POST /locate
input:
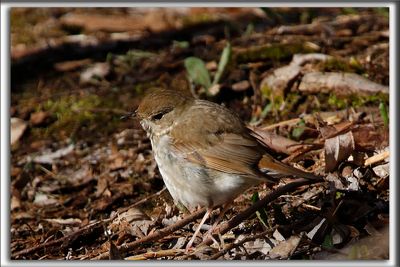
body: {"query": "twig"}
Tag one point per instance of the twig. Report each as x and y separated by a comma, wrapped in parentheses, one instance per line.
(61, 242)
(324, 115)
(318, 144)
(143, 200)
(310, 207)
(282, 123)
(156, 254)
(222, 229)
(238, 244)
(304, 150)
(376, 158)
(156, 235)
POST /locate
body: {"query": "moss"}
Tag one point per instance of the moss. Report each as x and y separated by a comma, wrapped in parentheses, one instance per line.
(22, 21)
(298, 130)
(355, 100)
(276, 98)
(384, 11)
(294, 104)
(271, 52)
(340, 65)
(75, 113)
(278, 104)
(198, 19)
(337, 102)
(349, 10)
(127, 62)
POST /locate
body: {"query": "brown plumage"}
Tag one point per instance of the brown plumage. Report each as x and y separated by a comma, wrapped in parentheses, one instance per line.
(205, 153)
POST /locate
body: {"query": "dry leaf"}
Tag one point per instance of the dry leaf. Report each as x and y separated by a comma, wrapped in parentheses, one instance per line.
(114, 253)
(241, 86)
(50, 157)
(15, 203)
(285, 248)
(18, 128)
(333, 177)
(338, 149)
(44, 199)
(72, 65)
(38, 118)
(133, 217)
(276, 142)
(92, 74)
(382, 170)
(258, 245)
(315, 229)
(278, 236)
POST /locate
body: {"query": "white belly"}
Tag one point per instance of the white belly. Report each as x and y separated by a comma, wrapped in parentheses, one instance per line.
(193, 185)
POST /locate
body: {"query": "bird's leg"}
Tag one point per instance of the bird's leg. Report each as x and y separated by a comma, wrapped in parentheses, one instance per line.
(225, 207)
(189, 245)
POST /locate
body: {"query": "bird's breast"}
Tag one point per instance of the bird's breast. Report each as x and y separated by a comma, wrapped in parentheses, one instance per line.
(192, 184)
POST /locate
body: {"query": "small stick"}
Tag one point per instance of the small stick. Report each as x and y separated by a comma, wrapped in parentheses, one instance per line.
(238, 244)
(61, 242)
(376, 158)
(156, 235)
(156, 254)
(67, 239)
(221, 229)
(143, 200)
(281, 123)
(310, 207)
(235, 221)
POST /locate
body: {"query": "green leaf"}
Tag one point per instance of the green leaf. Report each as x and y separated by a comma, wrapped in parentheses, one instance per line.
(180, 44)
(223, 62)
(328, 241)
(298, 130)
(339, 195)
(249, 30)
(266, 109)
(261, 214)
(197, 71)
(384, 113)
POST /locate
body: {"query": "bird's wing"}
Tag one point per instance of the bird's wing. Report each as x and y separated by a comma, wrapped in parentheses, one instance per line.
(212, 136)
(231, 154)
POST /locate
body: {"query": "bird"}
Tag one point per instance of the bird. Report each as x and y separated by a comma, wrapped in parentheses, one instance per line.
(205, 153)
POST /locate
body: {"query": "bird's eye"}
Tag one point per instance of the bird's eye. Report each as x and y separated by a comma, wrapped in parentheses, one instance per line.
(157, 117)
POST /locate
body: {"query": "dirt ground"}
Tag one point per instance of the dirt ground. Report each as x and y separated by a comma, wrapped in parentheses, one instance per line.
(313, 82)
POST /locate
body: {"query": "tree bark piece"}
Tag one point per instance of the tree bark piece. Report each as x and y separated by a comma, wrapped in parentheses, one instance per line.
(341, 84)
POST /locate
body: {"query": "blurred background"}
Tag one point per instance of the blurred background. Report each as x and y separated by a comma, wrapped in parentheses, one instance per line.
(75, 72)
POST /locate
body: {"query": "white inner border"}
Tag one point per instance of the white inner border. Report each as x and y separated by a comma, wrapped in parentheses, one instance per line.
(5, 124)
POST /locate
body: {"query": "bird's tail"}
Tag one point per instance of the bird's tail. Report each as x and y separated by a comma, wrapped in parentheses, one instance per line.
(276, 167)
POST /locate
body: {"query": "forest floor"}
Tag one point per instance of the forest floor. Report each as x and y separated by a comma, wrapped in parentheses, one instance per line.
(313, 82)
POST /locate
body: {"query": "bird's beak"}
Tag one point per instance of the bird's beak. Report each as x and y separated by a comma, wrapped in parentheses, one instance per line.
(132, 115)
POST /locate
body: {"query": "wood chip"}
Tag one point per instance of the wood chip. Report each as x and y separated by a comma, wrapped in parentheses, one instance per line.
(377, 158)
